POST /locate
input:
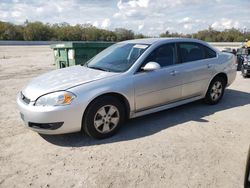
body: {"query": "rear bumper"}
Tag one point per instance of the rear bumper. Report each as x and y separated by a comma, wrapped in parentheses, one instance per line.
(231, 75)
(51, 120)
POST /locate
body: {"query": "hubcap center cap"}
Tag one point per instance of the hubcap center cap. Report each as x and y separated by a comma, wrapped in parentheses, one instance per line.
(106, 119)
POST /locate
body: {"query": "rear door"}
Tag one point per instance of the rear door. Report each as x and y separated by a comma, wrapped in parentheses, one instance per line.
(197, 68)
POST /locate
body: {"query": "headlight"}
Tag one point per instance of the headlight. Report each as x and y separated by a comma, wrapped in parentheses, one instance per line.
(56, 99)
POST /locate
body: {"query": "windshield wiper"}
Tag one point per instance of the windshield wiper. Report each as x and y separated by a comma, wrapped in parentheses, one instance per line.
(84, 64)
(99, 68)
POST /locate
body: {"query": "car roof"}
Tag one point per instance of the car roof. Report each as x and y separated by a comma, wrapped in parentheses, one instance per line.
(156, 40)
(151, 41)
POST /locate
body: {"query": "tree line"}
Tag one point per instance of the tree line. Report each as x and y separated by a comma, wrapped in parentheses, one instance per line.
(212, 35)
(38, 31)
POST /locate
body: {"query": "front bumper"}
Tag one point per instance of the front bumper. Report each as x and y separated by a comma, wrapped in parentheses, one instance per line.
(51, 120)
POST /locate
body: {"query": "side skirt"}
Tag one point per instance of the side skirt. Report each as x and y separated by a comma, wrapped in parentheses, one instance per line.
(165, 107)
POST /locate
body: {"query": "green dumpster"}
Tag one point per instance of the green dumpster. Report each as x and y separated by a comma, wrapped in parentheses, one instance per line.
(75, 53)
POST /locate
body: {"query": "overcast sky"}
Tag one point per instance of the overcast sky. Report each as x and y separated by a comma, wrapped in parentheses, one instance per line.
(149, 17)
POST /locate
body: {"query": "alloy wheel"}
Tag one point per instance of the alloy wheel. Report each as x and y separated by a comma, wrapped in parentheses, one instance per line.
(216, 91)
(106, 119)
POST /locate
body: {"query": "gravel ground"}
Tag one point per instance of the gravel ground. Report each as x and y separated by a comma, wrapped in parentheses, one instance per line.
(194, 145)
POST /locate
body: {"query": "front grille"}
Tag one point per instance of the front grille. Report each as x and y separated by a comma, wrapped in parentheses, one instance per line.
(25, 99)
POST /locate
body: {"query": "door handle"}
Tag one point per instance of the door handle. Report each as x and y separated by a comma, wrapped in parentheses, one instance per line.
(209, 65)
(174, 72)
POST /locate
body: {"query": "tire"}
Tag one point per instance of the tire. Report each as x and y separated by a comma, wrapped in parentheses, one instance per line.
(215, 90)
(103, 117)
(247, 173)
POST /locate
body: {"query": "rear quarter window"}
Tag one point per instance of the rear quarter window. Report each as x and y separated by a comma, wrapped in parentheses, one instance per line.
(209, 52)
(191, 51)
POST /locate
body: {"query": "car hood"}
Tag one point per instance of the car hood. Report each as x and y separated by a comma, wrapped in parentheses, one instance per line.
(62, 79)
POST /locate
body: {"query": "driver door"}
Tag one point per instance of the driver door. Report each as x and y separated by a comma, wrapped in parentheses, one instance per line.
(161, 86)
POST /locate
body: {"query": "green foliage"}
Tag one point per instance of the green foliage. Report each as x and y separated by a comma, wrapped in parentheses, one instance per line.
(10, 32)
(211, 35)
(31, 31)
(39, 31)
(124, 34)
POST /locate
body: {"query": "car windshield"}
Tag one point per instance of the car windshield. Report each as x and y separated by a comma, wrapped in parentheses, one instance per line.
(117, 58)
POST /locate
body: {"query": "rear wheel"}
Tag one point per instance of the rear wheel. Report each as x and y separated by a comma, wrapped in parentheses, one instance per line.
(103, 117)
(215, 91)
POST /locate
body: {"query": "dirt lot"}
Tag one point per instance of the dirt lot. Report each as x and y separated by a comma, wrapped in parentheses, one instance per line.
(194, 145)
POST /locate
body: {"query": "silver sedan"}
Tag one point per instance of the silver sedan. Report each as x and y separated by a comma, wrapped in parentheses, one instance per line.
(127, 80)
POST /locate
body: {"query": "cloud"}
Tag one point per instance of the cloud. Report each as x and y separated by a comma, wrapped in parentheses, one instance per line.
(132, 4)
(16, 14)
(140, 27)
(95, 23)
(225, 23)
(188, 26)
(172, 14)
(105, 23)
(133, 9)
(150, 17)
(71, 11)
(185, 20)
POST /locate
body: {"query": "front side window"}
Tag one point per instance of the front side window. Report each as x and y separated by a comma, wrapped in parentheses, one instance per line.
(163, 55)
(117, 58)
(191, 52)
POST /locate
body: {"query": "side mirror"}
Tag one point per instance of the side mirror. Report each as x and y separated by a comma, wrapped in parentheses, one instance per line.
(151, 66)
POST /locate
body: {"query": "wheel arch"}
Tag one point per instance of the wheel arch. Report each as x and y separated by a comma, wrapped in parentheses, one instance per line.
(118, 96)
(222, 75)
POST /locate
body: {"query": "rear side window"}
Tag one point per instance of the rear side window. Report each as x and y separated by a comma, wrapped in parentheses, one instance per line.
(209, 52)
(191, 52)
(164, 55)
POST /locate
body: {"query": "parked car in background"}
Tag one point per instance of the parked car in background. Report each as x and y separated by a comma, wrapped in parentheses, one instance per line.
(238, 54)
(240, 58)
(229, 50)
(127, 80)
(245, 67)
(247, 172)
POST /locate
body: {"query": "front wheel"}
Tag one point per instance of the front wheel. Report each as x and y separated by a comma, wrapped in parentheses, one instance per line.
(103, 117)
(215, 91)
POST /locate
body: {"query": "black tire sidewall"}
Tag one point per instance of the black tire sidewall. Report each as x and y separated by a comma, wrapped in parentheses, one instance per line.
(88, 118)
(247, 172)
